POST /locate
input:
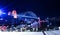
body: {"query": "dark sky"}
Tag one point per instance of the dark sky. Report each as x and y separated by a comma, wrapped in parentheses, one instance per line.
(42, 8)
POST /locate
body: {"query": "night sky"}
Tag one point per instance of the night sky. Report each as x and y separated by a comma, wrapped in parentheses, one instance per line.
(43, 8)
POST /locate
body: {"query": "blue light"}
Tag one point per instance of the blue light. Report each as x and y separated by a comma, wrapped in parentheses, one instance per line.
(1, 12)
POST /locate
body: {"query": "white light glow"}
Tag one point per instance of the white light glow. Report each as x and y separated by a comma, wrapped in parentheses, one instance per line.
(21, 33)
